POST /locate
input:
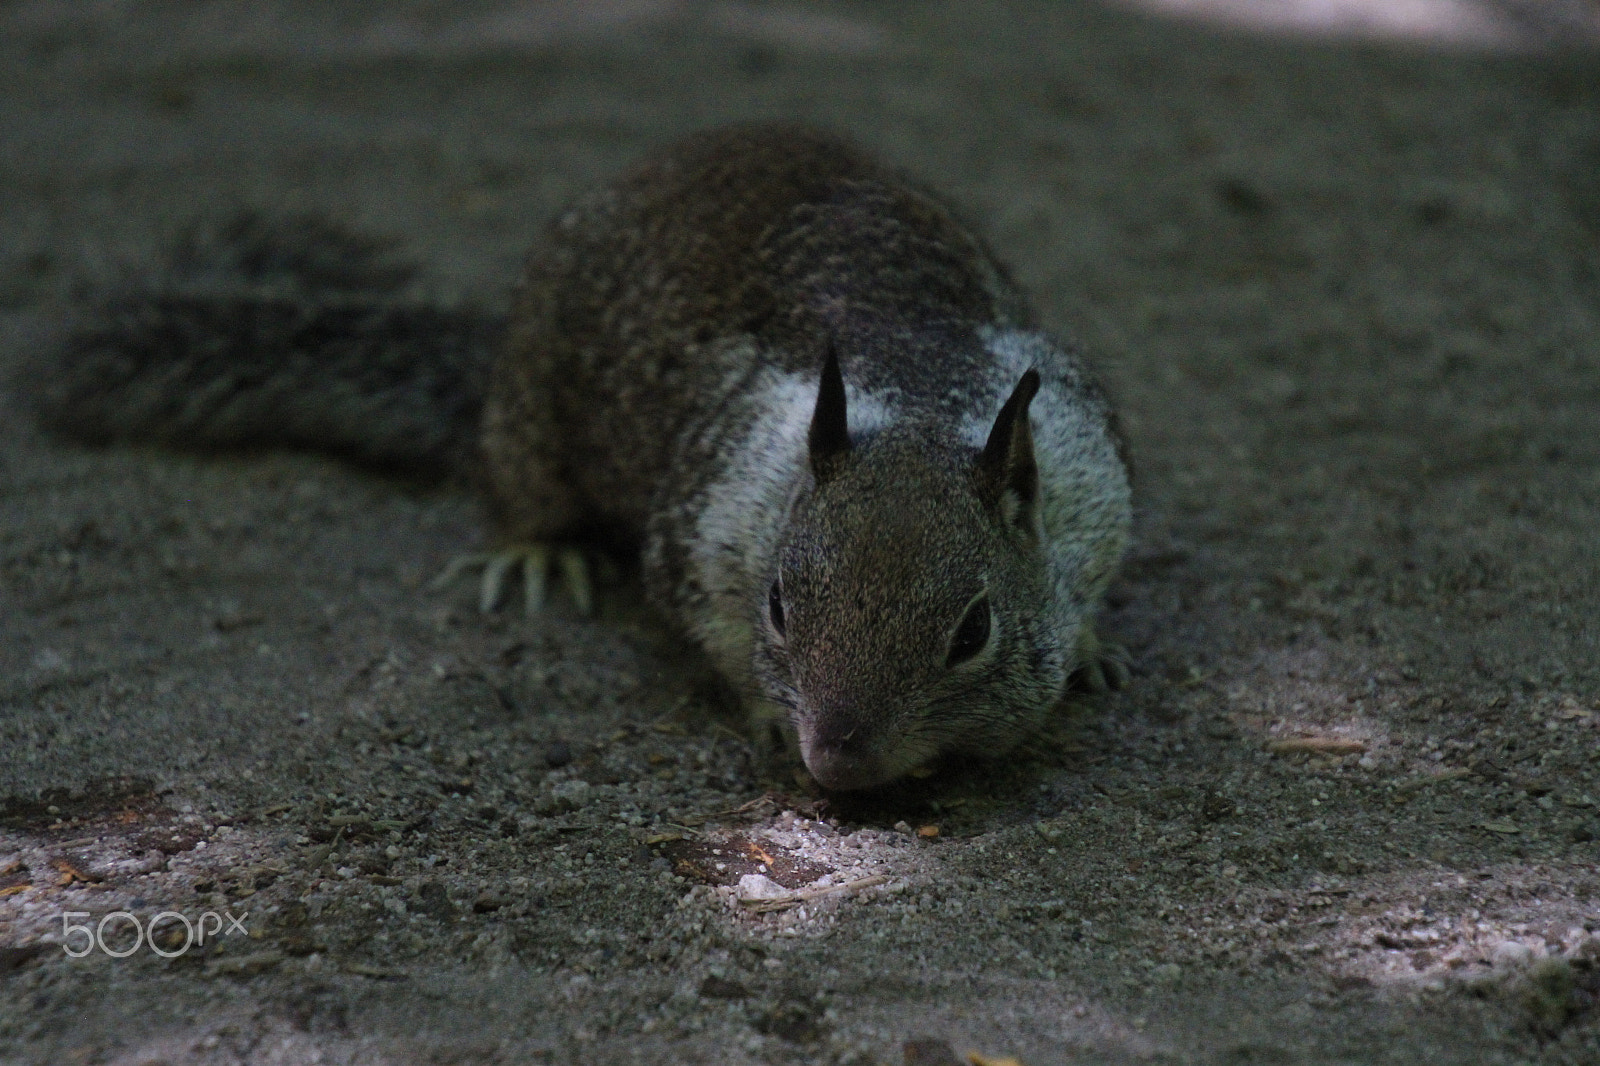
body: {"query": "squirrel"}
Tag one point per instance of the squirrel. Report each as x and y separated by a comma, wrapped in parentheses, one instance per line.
(857, 473)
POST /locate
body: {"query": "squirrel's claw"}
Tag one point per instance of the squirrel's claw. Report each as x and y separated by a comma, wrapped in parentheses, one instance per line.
(497, 567)
(530, 562)
(575, 572)
(1103, 666)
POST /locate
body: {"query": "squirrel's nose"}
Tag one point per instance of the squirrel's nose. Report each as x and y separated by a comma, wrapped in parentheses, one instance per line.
(842, 752)
(843, 733)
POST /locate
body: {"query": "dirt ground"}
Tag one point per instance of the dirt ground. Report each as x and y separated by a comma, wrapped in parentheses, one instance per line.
(1347, 297)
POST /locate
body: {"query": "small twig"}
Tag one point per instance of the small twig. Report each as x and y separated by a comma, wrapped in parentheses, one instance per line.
(806, 895)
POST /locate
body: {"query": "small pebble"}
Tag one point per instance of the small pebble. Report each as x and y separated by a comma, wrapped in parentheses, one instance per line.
(572, 794)
(759, 886)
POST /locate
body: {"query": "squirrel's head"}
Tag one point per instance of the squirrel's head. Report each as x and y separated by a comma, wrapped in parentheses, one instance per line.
(909, 614)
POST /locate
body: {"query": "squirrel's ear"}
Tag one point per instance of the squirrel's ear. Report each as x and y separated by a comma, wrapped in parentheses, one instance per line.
(1008, 477)
(829, 438)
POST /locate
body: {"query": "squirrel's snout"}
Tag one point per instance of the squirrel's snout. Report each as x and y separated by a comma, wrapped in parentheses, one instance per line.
(843, 751)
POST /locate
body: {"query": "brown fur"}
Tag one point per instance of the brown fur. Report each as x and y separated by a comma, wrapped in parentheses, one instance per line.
(858, 475)
(637, 386)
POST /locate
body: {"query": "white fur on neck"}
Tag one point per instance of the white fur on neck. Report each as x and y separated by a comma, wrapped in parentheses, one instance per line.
(747, 504)
(1083, 490)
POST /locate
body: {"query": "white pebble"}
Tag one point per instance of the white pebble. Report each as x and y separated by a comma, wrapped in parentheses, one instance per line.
(759, 886)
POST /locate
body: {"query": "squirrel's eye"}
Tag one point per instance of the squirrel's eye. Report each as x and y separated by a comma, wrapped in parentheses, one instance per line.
(775, 607)
(971, 635)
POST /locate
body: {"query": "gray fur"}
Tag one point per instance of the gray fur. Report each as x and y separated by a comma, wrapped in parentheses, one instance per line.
(657, 387)
(288, 332)
(660, 383)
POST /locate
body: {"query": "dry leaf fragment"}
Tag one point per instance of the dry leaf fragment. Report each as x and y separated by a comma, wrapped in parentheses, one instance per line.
(978, 1059)
(71, 872)
(662, 838)
(246, 965)
(1571, 712)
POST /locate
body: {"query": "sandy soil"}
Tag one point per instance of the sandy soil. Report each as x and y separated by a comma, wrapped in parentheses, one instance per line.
(1348, 298)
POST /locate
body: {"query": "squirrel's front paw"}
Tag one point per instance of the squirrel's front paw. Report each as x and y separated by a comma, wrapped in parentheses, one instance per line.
(1101, 666)
(532, 563)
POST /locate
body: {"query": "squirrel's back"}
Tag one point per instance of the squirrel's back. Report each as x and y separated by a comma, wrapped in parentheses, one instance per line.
(652, 302)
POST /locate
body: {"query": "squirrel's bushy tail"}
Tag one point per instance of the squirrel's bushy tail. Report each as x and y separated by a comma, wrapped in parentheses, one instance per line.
(289, 332)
